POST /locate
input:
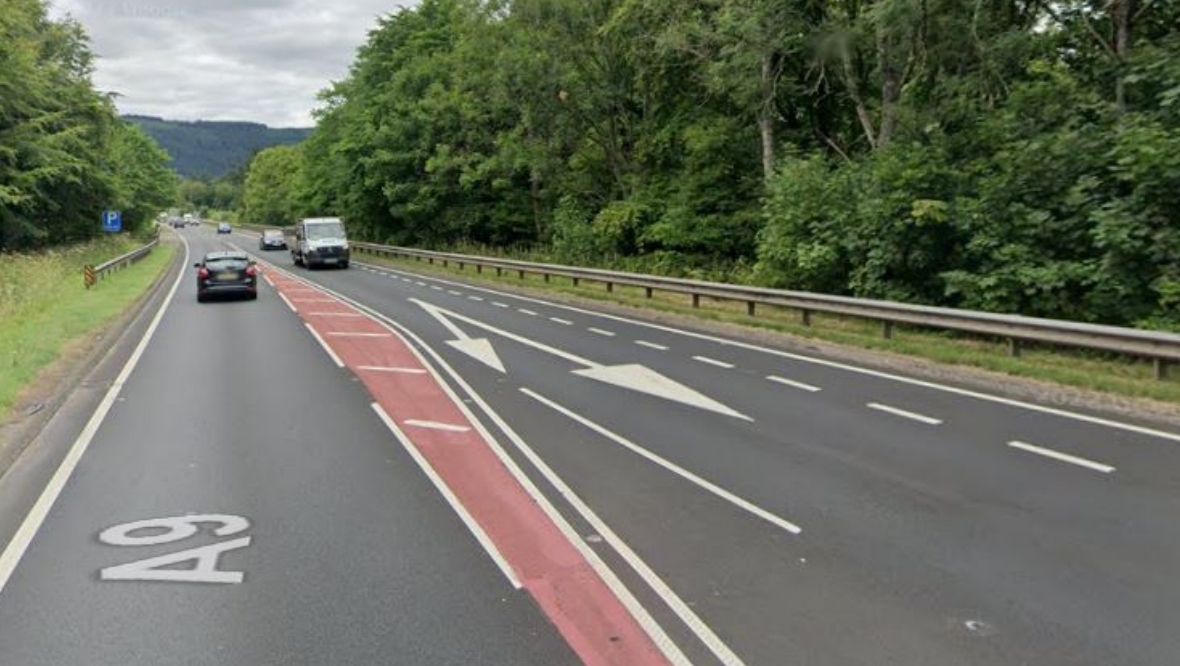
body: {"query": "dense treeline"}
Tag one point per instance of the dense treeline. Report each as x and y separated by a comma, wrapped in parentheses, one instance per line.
(1011, 155)
(65, 156)
(206, 150)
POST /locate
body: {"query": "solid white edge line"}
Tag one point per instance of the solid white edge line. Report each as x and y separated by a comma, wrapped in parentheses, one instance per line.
(1063, 457)
(436, 425)
(332, 354)
(24, 535)
(335, 314)
(603, 332)
(913, 416)
(288, 302)
(966, 393)
(661, 639)
(792, 383)
(651, 345)
(670, 466)
(712, 361)
(445, 490)
(382, 368)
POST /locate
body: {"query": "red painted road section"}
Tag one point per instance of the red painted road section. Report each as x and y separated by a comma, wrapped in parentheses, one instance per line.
(589, 616)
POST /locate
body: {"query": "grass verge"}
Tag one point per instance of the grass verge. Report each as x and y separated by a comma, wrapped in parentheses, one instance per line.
(1105, 373)
(44, 306)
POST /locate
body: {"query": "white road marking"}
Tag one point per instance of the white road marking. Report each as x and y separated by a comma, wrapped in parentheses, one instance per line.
(641, 615)
(651, 345)
(527, 312)
(435, 425)
(449, 496)
(792, 383)
(967, 393)
(712, 361)
(288, 302)
(563, 322)
(904, 414)
(478, 348)
(335, 314)
(205, 570)
(475, 298)
(499, 304)
(331, 354)
(382, 368)
(436, 287)
(709, 486)
(15, 550)
(1063, 457)
(454, 293)
(355, 334)
(602, 332)
(645, 380)
(314, 300)
(420, 284)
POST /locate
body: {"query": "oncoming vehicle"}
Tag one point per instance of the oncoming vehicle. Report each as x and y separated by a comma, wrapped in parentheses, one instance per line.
(226, 273)
(224, 228)
(320, 241)
(272, 239)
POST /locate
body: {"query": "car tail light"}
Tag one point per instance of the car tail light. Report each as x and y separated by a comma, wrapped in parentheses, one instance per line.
(251, 271)
(203, 273)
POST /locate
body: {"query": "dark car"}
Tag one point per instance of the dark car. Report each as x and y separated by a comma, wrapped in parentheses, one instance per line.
(226, 273)
(224, 228)
(272, 239)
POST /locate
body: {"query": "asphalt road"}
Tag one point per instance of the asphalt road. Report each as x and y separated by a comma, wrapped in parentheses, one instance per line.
(745, 505)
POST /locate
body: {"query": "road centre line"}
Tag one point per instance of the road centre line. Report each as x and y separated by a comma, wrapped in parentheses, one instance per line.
(649, 624)
(383, 368)
(435, 425)
(962, 392)
(667, 464)
(651, 345)
(332, 354)
(11, 556)
(1063, 457)
(792, 383)
(563, 322)
(712, 361)
(449, 496)
(602, 332)
(928, 420)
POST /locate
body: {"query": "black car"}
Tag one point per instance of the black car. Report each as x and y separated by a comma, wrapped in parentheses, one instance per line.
(272, 239)
(226, 273)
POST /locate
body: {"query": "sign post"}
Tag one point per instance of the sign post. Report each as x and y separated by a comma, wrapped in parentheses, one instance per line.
(112, 221)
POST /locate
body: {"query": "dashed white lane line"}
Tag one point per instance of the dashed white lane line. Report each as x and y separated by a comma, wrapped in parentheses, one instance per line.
(526, 312)
(356, 334)
(603, 332)
(499, 304)
(331, 354)
(436, 287)
(559, 320)
(400, 371)
(454, 293)
(1063, 457)
(712, 361)
(420, 284)
(651, 345)
(792, 383)
(921, 418)
(475, 298)
(435, 425)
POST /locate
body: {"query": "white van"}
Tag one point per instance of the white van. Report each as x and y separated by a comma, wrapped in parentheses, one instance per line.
(320, 241)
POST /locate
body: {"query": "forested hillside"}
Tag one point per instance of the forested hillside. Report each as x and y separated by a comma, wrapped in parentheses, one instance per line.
(210, 149)
(65, 155)
(1011, 155)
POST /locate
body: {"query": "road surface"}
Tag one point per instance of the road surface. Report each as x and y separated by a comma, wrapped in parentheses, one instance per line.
(375, 467)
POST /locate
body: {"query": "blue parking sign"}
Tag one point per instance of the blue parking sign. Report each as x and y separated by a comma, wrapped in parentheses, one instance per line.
(112, 221)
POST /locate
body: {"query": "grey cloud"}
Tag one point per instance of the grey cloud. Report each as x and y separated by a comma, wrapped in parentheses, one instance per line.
(259, 60)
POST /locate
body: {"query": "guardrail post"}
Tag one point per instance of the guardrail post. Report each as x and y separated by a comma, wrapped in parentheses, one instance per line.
(806, 316)
(887, 330)
(696, 300)
(749, 308)
(1161, 369)
(1014, 347)
(546, 276)
(445, 264)
(575, 281)
(647, 292)
(610, 287)
(460, 265)
(521, 274)
(479, 269)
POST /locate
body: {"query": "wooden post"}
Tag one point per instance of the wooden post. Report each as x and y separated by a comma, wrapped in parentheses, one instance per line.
(610, 287)
(647, 292)
(696, 300)
(521, 274)
(887, 330)
(806, 317)
(575, 281)
(1161, 369)
(1014, 347)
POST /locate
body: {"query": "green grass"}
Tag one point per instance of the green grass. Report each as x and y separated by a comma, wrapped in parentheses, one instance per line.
(44, 306)
(1088, 370)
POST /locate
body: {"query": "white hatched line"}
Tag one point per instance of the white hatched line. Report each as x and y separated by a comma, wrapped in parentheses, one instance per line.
(928, 420)
(712, 361)
(650, 345)
(1063, 457)
(332, 354)
(792, 383)
(400, 371)
(356, 334)
(314, 300)
(603, 332)
(475, 298)
(558, 320)
(499, 304)
(527, 312)
(435, 425)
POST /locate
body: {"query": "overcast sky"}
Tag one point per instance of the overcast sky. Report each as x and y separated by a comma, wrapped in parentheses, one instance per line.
(256, 60)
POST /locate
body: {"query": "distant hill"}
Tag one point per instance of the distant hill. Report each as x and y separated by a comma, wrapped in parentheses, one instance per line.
(209, 149)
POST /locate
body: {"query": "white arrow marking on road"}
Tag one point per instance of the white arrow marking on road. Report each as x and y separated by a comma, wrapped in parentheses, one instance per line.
(631, 376)
(479, 349)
